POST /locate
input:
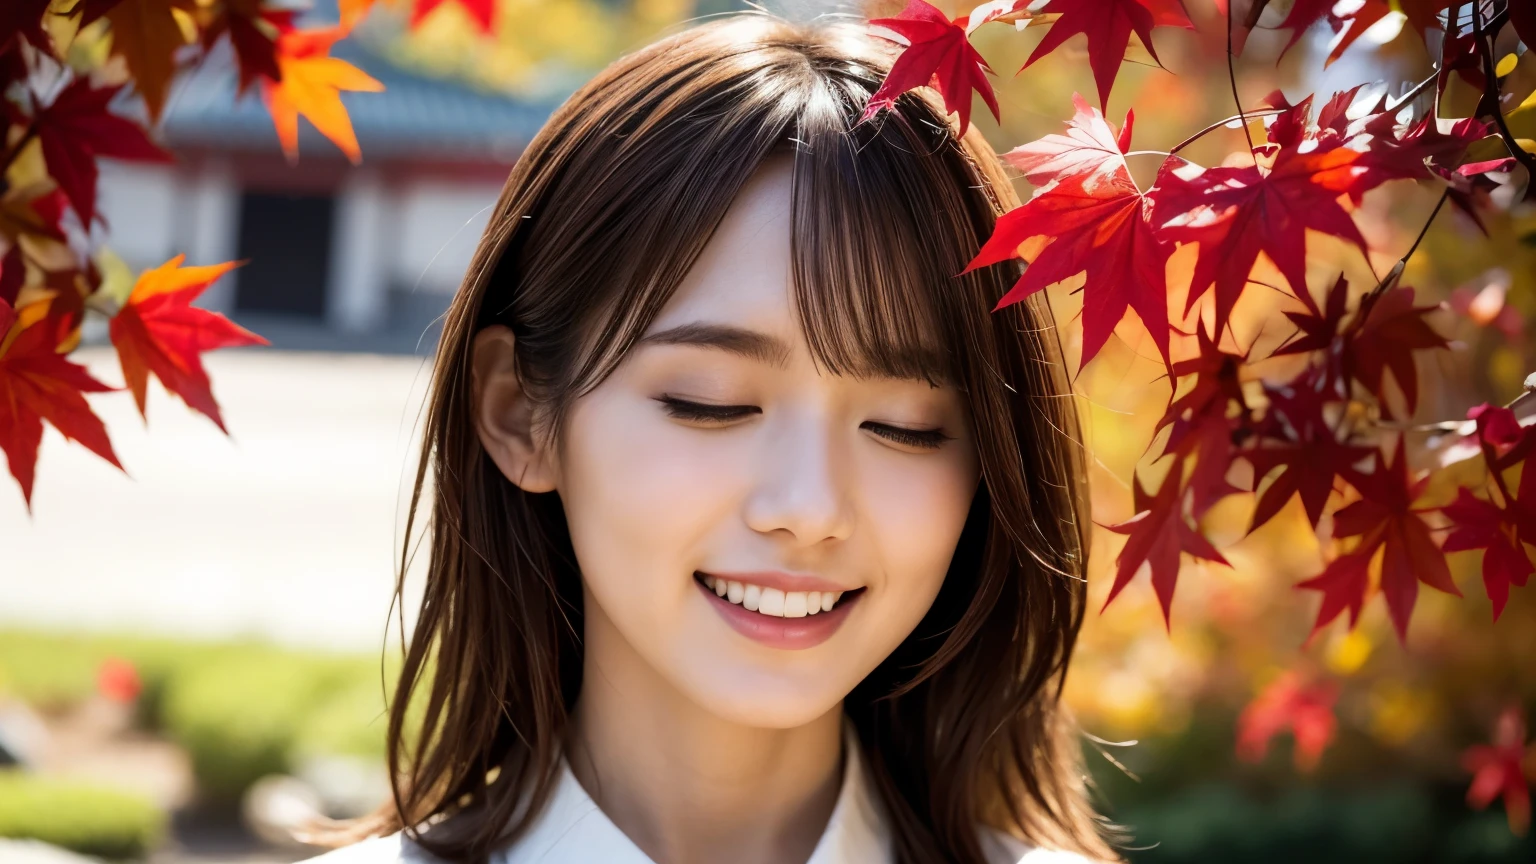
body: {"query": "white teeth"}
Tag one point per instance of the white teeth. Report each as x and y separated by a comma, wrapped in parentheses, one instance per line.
(773, 601)
(795, 604)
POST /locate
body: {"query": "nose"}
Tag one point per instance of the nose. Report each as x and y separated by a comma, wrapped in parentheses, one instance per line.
(802, 488)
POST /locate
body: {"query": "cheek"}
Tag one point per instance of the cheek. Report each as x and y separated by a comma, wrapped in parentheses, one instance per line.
(916, 509)
(637, 497)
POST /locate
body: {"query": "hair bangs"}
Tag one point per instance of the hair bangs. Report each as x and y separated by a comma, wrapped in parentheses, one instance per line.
(874, 253)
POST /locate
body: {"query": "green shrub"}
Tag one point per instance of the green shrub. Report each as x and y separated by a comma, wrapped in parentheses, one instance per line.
(54, 671)
(240, 709)
(241, 716)
(91, 820)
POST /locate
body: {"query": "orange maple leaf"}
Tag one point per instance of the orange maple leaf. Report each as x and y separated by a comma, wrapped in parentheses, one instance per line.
(482, 12)
(36, 384)
(311, 84)
(146, 35)
(158, 331)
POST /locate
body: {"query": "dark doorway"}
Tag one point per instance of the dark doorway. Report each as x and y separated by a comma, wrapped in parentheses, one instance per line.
(286, 240)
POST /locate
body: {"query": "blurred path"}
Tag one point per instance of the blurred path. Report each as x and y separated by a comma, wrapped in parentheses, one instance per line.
(289, 529)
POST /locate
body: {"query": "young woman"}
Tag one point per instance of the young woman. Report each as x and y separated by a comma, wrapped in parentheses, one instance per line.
(756, 535)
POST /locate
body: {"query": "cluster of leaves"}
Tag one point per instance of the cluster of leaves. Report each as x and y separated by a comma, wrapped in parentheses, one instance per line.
(1322, 417)
(61, 114)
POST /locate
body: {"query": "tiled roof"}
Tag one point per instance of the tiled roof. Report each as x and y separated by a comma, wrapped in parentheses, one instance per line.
(415, 115)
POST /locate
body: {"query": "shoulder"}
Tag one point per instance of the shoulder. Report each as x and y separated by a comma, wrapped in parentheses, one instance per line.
(1001, 848)
(389, 849)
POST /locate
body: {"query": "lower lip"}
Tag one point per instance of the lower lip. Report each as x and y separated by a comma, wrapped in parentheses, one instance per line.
(789, 633)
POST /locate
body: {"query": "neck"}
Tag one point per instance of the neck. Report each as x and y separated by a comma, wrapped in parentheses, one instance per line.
(686, 785)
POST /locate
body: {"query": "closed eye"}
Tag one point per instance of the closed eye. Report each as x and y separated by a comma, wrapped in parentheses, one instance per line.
(701, 412)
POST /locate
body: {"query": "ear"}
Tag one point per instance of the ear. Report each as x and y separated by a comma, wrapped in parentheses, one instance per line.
(505, 415)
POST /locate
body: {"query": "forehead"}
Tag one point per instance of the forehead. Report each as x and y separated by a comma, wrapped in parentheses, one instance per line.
(744, 274)
(851, 318)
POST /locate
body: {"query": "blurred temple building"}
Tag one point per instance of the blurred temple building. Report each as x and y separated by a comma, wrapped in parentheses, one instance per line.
(340, 256)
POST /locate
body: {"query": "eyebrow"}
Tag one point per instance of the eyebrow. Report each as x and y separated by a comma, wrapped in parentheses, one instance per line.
(770, 349)
(750, 344)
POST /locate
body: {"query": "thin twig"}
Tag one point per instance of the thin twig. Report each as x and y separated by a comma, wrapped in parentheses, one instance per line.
(1232, 79)
(1411, 94)
(1402, 263)
(15, 152)
(1266, 112)
(1491, 90)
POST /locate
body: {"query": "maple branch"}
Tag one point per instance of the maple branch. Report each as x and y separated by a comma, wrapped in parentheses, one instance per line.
(1484, 37)
(1402, 263)
(1232, 79)
(15, 152)
(1491, 459)
(1412, 94)
(1219, 124)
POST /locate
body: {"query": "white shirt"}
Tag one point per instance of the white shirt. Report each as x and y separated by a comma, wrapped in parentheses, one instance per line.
(572, 830)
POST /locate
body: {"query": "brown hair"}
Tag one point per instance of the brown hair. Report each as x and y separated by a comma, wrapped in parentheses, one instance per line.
(601, 218)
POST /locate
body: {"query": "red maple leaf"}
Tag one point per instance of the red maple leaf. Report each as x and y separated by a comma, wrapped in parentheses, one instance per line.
(1418, 151)
(253, 32)
(1305, 13)
(1289, 702)
(1108, 25)
(13, 274)
(1157, 536)
(22, 20)
(1501, 435)
(1498, 770)
(1237, 213)
(1424, 15)
(1093, 219)
(36, 384)
(1202, 426)
(1481, 524)
(1090, 147)
(77, 129)
(1303, 446)
(938, 54)
(1383, 519)
(1354, 24)
(1391, 329)
(1500, 530)
(158, 331)
(482, 12)
(1318, 331)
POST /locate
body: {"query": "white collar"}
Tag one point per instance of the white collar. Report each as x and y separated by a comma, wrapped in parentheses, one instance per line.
(572, 830)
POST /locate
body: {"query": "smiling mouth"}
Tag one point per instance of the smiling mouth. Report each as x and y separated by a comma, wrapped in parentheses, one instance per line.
(772, 602)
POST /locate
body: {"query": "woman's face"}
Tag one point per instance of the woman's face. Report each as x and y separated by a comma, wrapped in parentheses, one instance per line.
(717, 453)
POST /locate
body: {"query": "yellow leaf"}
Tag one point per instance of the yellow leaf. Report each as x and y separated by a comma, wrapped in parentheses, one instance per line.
(146, 34)
(311, 86)
(171, 277)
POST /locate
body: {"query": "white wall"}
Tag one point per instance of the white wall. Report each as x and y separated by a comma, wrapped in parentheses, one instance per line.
(139, 203)
(423, 231)
(438, 225)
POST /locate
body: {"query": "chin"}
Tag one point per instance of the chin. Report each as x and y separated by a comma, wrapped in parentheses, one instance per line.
(763, 698)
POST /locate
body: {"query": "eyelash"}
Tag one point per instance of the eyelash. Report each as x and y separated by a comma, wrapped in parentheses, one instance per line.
(683, 409)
